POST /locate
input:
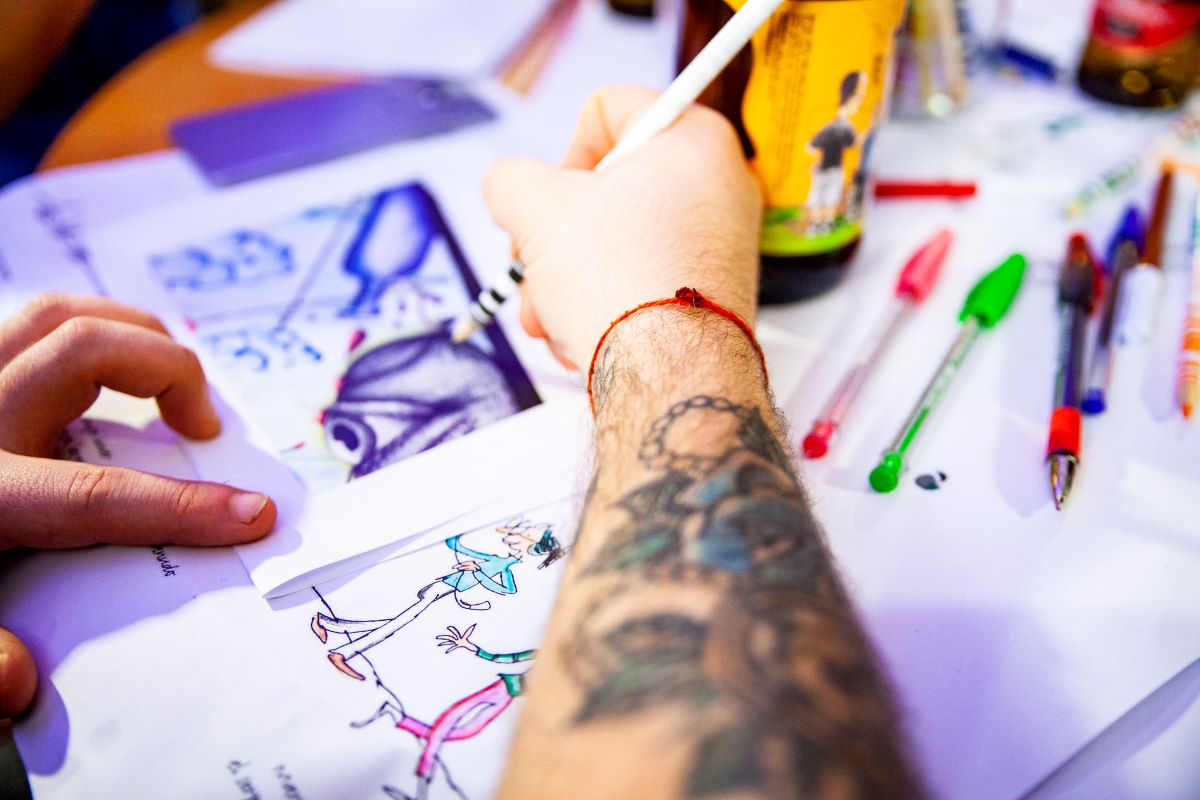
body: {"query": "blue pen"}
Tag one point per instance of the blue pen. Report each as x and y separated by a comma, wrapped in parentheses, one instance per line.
(1124, 251)
(1028, 63)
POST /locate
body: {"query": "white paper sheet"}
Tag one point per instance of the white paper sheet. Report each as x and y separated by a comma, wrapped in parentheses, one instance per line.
(45, 220)
(188, 685)
(449, 38)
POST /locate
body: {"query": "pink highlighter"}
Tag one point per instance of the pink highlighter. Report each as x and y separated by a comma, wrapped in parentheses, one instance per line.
(914, 284)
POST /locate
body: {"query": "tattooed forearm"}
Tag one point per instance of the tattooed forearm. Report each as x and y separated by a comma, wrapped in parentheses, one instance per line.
(709, 633)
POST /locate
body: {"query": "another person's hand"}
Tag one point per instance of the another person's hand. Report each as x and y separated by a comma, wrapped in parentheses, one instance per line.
(55, 356)
(681, 210)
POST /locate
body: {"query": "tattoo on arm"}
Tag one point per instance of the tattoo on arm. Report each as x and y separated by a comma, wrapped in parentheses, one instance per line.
(764, 666)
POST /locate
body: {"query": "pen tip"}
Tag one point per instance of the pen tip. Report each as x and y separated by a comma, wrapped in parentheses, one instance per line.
(1187, 410)
(464, 329)
(1062, 475)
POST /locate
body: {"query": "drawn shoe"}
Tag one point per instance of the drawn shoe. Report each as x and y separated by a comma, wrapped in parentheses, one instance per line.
(318, 629)
(338, 660)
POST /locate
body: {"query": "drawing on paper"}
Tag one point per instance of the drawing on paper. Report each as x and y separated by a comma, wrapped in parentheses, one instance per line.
(474, 572)
(332, 326)
(465, 718)
(410, 395)
(458, 706)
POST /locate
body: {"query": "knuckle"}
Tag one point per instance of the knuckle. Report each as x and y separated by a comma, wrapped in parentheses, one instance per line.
(77, 328)
(185, 500)
(149, 320)
(89, 490)
(48, 309)
(190, 362)
(69, 341)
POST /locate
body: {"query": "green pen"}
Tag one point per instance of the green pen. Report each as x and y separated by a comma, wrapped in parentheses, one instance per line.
(986, 304)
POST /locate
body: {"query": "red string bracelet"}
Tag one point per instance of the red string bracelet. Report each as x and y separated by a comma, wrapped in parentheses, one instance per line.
(689, 298)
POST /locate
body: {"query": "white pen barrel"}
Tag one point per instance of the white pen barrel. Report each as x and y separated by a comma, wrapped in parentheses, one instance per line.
(695, 77)
(1140, 290)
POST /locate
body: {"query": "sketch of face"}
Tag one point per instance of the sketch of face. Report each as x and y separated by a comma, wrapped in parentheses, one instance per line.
(410, 395)
(538, 539)
(519, 541)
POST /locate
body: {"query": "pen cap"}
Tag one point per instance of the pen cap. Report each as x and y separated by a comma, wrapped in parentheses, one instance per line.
(990, 298)
(1130, 229)
(922, 270)
(1077, 278)
(1140, 290)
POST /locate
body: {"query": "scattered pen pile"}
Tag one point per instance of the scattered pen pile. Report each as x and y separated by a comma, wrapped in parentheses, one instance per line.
(1128, 300)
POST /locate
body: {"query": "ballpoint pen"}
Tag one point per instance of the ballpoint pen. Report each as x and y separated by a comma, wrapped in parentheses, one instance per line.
(682, 92)
(986, 304)
(1123, 255)
(1142, 284)
(1075, 298)
(914, 283)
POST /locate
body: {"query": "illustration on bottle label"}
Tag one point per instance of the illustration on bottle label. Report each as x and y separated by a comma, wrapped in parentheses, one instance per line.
(811, 107)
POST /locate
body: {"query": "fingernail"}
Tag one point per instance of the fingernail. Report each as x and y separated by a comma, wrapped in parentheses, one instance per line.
(246, 506)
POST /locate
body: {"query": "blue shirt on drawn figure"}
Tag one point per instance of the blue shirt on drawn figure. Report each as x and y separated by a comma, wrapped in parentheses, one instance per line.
(488, 570)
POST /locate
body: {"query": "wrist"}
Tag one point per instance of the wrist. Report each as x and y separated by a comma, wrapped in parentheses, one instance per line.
(663, 354)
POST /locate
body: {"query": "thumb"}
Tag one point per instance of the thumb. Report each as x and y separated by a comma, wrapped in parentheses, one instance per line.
(18, 675)
(521, 191)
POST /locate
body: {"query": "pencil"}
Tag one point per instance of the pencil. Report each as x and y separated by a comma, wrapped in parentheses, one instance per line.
(682, 92)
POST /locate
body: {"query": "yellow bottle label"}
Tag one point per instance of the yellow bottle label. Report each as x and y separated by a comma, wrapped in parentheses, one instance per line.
(811, 106)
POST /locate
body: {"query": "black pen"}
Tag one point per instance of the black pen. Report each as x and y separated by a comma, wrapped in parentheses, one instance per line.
(1075, 297)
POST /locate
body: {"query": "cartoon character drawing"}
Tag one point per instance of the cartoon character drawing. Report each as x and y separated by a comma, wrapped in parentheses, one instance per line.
(412, 394)
(829, 148)
(465, 718)
(474, 569)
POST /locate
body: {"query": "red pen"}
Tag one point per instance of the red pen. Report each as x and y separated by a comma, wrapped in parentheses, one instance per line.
(945, 190)
(913, 285)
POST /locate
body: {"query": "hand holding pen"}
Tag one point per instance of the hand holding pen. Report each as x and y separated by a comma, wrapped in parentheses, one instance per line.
(654, 118)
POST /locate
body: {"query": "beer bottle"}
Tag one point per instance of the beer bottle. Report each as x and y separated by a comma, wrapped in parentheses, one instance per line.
(806, 96)
(1141, 52)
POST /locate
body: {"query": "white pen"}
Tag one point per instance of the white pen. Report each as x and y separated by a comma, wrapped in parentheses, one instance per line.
(1142, 285)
